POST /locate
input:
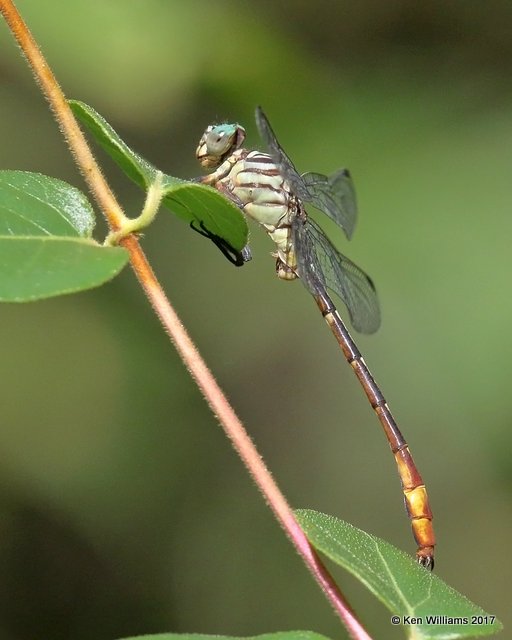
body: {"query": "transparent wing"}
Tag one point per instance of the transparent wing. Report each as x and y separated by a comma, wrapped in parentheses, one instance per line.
(320, 265)
(283, 162)
(335, 196)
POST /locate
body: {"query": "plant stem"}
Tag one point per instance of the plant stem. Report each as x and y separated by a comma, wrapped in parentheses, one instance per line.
(172, 324)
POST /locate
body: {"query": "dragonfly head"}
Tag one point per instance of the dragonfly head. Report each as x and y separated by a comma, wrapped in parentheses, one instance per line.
(218, 142)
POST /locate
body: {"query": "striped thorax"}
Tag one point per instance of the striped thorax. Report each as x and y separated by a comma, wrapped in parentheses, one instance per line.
(252, 180)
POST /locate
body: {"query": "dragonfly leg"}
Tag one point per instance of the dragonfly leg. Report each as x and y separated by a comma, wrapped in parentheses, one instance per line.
(238, 258)
(283, 271)
(227, 193)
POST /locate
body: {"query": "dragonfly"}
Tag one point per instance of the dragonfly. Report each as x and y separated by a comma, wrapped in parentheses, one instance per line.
(267, 187)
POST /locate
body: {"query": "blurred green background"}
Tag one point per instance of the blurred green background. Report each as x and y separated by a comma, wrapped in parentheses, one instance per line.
(123, 508)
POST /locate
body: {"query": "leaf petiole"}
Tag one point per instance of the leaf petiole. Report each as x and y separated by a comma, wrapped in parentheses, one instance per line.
(154, 195)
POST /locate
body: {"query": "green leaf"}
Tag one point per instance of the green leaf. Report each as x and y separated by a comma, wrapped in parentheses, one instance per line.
(190, 201)
(199, 203)
(35, 268)
(136, 168)
(407, 589)
(46, 245)
(279, 635)
(35, 205)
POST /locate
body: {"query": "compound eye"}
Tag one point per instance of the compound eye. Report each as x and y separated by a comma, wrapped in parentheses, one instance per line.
(218, 142)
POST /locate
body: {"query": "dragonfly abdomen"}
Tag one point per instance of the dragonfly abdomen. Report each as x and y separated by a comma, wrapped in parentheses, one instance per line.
(414, 491)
